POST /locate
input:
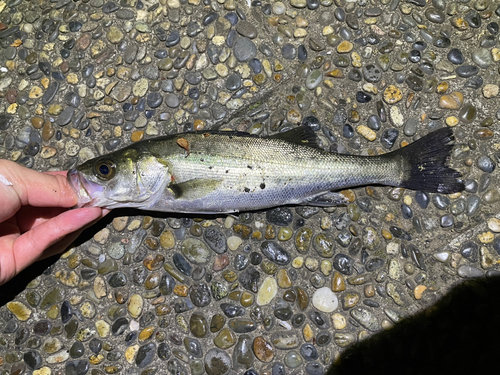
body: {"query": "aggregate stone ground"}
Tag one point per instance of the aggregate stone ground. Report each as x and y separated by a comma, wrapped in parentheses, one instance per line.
(289, 290)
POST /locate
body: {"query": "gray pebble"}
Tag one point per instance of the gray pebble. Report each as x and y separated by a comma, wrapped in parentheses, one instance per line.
(233, 82)
(372, 73)
(246, 29)
(411, 127)
(447, 221)
(154, 99)
(288, 51)
(50, 93)
(313, 79)
(65, 116)
(473, 203)
(466, 71)
(172, 100)
(244, 49)
(486, 164)
(482, 57)
(467, 271)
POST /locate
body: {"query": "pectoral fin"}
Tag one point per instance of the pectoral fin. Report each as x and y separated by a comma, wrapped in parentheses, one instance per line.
(194, 189)
(328, 199)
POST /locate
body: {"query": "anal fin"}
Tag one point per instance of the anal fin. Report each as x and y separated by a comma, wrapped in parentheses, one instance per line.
(194, 189)
(328, 199)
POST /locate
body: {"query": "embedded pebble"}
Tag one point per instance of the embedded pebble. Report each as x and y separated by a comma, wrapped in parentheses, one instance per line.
(80, 81)
(325, 300)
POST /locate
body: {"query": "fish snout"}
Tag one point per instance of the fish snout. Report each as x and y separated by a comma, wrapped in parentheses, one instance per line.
(79, 185)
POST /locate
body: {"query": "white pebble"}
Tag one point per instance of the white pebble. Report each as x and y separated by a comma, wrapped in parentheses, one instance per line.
(392, 248)
(234, 242)
(228, 223)
(267, 291)
(325, 300)
(494, 224)
(442, 256)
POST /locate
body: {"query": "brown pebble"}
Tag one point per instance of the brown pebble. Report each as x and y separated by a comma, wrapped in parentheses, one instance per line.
(290, 295)
(10, 96)
(48, 131)
(162, 310)
(242, 229)
(350, 299)
(335, 73)
(64, 67)
(37, 122)
(483, 133)
(181, 290)
(83, 42)
(338, 282)
(270, 232)
(196, 230)
(152, 243)
(369, 290)
(121, 296)
(262, 349)
(302, 298)
(137, 135)
(220, 262)
(451, 101)
(284, 280)
(442, 87)
(153, 262)
(199, 124)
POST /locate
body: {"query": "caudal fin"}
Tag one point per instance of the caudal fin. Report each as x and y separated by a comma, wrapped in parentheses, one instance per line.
(426, 164)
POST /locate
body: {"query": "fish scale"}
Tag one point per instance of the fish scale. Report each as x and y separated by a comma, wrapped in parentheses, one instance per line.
(215, 172)
(291, 172)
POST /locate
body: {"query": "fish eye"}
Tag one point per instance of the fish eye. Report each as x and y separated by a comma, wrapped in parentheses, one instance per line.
(105, 169)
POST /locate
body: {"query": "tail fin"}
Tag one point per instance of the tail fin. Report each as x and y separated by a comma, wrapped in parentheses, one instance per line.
(426, 164)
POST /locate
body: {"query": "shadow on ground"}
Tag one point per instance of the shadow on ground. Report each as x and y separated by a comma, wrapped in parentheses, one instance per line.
(460, 334)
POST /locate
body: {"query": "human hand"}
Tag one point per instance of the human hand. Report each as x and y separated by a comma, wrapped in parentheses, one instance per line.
(35, 222)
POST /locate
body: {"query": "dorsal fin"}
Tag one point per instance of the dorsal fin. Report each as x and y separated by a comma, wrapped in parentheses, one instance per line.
(302, 135)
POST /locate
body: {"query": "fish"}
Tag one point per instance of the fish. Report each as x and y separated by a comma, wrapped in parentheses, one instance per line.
(213, 172)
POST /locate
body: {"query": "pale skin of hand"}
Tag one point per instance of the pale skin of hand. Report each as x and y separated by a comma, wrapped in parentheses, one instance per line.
(35, 220)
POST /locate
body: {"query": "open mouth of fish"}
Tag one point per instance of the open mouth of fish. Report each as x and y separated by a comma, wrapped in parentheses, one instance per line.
(83, 188)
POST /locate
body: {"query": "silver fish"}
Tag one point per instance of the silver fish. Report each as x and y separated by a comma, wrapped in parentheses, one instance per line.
(224, 172)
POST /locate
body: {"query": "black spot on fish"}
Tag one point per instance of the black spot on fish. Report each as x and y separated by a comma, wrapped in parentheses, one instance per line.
(247, 190)
(210, 167)
(249, 167)
(263, 186)
(202, 160)
(227, 170)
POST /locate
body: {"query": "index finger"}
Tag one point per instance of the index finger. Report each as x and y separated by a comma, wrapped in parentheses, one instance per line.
(37, 189)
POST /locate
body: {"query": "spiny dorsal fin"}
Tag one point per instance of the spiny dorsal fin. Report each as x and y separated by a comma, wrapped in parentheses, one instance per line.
(302, 135)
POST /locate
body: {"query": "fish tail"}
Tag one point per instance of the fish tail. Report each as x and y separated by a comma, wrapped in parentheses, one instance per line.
(425, 164)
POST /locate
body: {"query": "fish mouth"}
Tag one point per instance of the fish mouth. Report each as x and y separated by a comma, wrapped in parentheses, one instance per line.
(83, 188)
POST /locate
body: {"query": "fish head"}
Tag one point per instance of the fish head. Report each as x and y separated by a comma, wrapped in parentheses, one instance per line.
(126, 178)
